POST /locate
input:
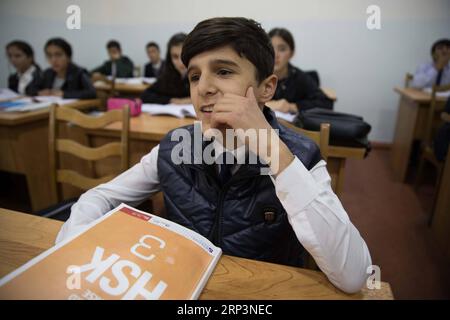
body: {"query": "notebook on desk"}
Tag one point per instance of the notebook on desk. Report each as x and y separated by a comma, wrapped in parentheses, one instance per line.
(176, 110)
(30, 104)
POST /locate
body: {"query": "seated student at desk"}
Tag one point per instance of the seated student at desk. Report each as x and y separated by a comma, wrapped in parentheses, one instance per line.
(296, 91)
(437, 71)
(64, 78)
(273, 215)
(118, 65)
(154, 67)
(28, 74)
(172, 85)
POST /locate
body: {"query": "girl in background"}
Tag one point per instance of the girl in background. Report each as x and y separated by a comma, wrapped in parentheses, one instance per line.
(172, 85)
(64, 78)
(28, 73)
(296, 91)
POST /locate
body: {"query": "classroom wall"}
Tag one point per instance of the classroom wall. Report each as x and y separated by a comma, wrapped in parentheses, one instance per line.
(362, 66)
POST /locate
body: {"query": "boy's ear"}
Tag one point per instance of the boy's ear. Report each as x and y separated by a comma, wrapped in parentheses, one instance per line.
(267, 88)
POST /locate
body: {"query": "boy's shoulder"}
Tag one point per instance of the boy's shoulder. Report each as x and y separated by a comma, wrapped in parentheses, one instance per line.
(303, 147)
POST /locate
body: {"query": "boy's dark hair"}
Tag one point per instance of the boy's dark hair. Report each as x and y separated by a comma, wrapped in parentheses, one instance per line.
(113, 44)
(440, 43)
(283, 34)
(152, 44)
(61, 43)
(22, 46)
(245, 36)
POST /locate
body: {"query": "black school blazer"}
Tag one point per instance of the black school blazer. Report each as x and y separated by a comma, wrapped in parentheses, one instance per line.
(78, 84)
(13, 81)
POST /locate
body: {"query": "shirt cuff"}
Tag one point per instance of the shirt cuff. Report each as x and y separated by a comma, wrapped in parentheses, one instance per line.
(295, 187)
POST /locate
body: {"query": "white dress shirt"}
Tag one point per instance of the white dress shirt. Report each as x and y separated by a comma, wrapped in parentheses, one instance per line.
(24, 79)
(315, 213)
(426, 74)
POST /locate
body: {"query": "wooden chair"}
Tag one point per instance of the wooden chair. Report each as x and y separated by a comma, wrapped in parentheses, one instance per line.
(426, 151)
(321, 138)
(74, 148)
(408, 78)
(446, 118)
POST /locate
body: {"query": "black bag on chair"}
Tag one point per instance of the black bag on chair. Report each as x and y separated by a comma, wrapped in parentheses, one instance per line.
(346, 130)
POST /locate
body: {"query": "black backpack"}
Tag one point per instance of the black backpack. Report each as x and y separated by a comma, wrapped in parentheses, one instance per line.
(346, 130)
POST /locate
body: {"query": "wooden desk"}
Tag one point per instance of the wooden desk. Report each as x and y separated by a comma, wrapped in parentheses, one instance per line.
(24, 149)
(138, 89)
(126, 88)
(24, 236)
(441, 218)
(146, 131)
(410, 126)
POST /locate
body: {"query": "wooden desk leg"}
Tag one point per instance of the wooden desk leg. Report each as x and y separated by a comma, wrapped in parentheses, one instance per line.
(31, 154)
(404, 136)
(441, 218)
(340, 178)
(335, 167)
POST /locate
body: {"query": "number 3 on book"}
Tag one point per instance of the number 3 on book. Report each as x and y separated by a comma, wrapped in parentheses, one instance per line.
(142, 243)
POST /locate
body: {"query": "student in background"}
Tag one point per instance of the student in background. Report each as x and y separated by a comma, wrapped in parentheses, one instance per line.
(118, 65)
(64, 78)
(172, 85)
(436, 72)
(28, 73)
(296, 91)
(154, 67)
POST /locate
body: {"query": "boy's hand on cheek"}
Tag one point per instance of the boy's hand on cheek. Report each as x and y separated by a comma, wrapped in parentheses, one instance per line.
(239, 112)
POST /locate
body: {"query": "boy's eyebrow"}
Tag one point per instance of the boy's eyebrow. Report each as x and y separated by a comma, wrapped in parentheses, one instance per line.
(216, 61)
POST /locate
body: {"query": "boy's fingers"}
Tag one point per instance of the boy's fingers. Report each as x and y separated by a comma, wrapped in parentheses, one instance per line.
(250, 94)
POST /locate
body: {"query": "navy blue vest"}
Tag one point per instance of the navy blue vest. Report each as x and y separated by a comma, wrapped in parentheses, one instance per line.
(244, 217)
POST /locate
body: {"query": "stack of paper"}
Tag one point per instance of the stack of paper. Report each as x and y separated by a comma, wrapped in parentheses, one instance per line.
(443, 94)
(286, 116)
(7, 94)
(176, 110)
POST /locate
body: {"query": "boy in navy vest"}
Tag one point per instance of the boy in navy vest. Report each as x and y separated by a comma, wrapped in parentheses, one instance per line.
(271, 209)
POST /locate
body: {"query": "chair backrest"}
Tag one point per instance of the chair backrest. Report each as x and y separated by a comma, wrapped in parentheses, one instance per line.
(321, 138)
(434, 104)
(408, 79)
(57, 145)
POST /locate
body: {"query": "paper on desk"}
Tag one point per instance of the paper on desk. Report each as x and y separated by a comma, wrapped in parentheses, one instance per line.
(285, 116)
(177, 110)
(53, 99)
(137, 80)
(7, 94)
(443, 94)
(30, 104)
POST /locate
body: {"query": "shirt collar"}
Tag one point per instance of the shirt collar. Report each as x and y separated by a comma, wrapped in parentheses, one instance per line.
(29, 71)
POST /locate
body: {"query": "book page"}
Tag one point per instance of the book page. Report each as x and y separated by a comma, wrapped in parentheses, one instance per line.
(127, 254)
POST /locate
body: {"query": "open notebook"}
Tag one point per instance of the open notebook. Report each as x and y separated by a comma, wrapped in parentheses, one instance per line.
(131, 81)
(126, 254)
(443, 94)
(176, 110)
(30, 104)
